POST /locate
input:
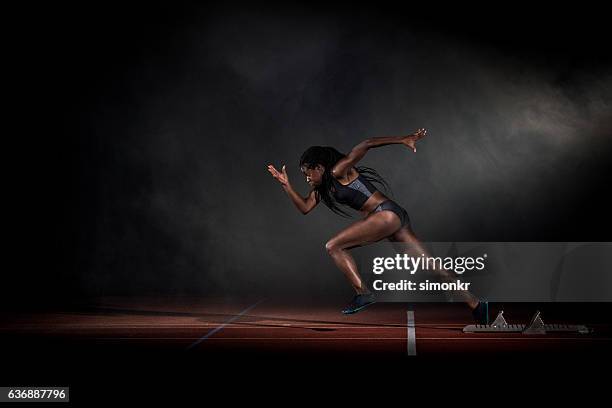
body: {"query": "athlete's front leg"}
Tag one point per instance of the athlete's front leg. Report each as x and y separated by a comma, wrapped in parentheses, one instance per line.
(375, 227)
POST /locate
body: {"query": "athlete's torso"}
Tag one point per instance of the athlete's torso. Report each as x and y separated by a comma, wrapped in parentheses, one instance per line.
(357, 192)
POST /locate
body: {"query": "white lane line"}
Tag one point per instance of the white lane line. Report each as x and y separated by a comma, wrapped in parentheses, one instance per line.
(411, 335)
(210, 333)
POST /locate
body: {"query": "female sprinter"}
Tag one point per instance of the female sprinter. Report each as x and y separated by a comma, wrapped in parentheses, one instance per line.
(335, 178)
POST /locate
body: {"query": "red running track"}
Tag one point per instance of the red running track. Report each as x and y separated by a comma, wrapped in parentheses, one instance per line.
(270, 327)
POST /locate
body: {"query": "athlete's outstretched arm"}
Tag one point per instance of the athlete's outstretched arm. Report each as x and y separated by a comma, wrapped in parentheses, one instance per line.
(358, 152)
(305, 205)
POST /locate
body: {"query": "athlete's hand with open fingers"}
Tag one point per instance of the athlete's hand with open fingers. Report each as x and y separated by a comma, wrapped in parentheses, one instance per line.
(281, 176)
(411, 140)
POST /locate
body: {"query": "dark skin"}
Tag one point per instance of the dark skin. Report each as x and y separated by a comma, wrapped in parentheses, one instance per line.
(375, 226)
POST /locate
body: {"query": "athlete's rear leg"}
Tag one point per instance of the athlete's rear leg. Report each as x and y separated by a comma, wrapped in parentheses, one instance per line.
(416, 248)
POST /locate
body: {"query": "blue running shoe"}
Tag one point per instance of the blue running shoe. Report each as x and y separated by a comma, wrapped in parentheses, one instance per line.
(359, 302)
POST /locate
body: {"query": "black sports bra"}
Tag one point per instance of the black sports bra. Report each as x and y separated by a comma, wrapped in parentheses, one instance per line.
(354, 194)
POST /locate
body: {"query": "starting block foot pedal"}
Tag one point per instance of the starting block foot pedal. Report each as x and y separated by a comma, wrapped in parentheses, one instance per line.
(499, 325)
(536, 325)
(499, 320)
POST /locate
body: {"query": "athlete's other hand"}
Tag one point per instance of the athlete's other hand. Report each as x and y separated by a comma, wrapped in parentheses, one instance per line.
(280, 176)
(411, 140)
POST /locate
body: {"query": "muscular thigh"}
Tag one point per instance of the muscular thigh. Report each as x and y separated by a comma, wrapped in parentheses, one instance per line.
(375, 227)
(404, 234)
(405, 240)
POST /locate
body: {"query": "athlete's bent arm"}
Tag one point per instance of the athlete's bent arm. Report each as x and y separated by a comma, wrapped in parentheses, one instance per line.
(358, 152)
(305, 205)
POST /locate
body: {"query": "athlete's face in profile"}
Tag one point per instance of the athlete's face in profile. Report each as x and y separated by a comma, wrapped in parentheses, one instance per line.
(314, 176)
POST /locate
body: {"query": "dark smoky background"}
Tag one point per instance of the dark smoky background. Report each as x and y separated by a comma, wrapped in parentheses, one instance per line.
(148, 130)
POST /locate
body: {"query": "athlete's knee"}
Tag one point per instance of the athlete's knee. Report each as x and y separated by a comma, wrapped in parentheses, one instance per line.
(332, 247)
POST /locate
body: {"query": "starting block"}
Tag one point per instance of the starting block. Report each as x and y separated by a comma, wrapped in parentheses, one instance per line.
(535, 326)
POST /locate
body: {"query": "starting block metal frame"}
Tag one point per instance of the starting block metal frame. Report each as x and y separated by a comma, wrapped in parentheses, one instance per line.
(535, 326)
